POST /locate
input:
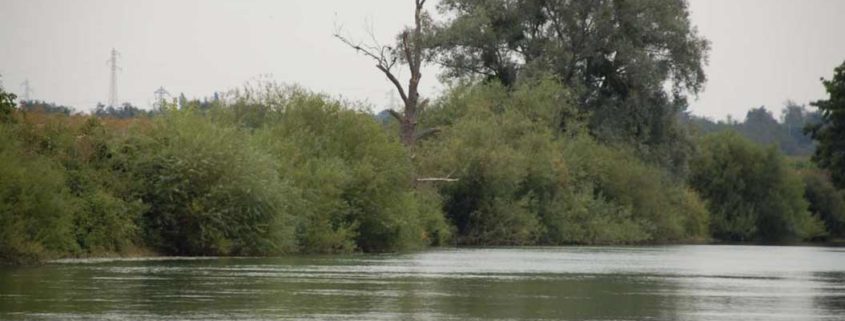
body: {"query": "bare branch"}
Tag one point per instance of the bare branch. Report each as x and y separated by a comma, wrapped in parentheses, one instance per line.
(360, 48)
(395, 82)
(427, 132)
(410, 51)
(395, 114)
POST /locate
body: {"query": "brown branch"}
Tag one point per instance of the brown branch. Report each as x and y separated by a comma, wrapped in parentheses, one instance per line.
(395, 82)
(427, 132)
(395, 114)
(385, 57)
(359, 48)
(382, 62)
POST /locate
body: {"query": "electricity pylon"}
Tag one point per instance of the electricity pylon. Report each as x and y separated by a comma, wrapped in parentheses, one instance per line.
(113, 85)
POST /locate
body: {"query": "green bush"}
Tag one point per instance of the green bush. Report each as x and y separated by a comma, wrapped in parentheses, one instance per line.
(209, 191)
(522, 181)
(752, 193)
(504, 161)
(354, 179)
(660, 208)
(826, 202)
(106, 219)
(35, 204)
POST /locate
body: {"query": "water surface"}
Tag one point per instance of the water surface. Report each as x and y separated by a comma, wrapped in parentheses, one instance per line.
(559, 283)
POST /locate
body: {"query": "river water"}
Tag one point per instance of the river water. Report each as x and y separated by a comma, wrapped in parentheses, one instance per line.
(556, 283)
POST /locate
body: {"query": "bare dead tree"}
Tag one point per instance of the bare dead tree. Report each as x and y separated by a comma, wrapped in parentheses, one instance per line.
(411, 51)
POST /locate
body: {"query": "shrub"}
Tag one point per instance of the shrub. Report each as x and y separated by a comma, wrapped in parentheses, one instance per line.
(751, 192)
(35, 205)
(209, 191)
(522, 181)
(354, 179)
(826, 202)
(659, 208)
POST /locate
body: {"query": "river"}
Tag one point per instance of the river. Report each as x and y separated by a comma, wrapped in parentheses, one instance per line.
(705, 282)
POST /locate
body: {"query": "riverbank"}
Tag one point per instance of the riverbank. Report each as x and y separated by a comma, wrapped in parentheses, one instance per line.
(301, 172)
(140, 254)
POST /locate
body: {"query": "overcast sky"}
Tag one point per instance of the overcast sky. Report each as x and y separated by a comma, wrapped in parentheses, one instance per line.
(763, 51)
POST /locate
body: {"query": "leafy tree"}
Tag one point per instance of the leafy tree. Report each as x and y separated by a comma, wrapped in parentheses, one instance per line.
(523, 182)
(752, 193)
(825, 200)
(617, 56)
(830, 131)
(795, 118)
(761, 127)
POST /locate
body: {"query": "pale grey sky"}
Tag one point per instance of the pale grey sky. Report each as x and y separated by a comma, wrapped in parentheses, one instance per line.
(763, 51)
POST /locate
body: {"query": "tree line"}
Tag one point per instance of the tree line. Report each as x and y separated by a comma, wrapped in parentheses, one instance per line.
(563, 123)
(761, 127)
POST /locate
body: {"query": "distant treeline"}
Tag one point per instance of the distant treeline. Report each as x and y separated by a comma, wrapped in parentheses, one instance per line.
(563, 124)
(761, 127)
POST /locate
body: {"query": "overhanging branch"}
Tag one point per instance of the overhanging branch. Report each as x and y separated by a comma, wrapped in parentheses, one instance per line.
(427, 132)
(395, 114)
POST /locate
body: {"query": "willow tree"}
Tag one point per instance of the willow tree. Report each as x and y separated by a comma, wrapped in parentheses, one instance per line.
(630, 63)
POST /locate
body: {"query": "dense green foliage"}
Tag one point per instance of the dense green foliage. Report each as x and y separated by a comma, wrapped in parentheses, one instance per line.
(309, 175)
(280, 170)
(521, 182)
(208, 190)
(616, 56)
(825, 200)
(752, 192)
(34, 198)
(7, 105)
(61, 186)
(830, 131)
(354, 177)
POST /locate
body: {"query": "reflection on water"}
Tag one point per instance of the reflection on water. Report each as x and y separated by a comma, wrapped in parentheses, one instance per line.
(568, 283)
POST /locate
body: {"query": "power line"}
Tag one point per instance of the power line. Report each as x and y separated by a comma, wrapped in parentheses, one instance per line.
(113, 85)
